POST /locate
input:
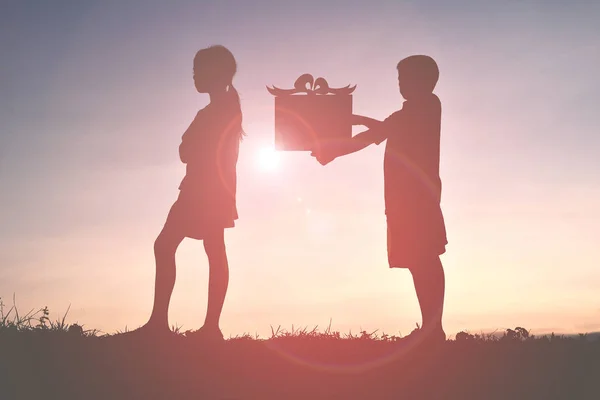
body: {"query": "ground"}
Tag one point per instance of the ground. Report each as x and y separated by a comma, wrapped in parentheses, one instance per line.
(60, 363)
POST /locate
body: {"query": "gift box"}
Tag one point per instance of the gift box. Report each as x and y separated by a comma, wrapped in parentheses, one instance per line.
(311, 112)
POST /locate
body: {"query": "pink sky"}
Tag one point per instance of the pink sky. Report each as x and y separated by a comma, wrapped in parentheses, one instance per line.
(90, 168)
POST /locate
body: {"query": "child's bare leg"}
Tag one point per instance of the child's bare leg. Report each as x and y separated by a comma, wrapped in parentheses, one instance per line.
(429, 283)
(218, 278)
(165, 248)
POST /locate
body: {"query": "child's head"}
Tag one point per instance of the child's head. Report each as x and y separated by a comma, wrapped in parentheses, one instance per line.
(417, 75)
(214, 68)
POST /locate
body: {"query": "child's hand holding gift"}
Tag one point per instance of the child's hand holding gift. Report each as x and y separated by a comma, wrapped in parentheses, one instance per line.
(326, 153)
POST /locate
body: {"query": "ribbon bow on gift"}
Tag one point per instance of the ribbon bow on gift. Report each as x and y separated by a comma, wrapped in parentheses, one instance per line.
(307, 84)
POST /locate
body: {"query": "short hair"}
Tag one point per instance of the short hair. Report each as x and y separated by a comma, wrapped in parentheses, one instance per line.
(423, 69)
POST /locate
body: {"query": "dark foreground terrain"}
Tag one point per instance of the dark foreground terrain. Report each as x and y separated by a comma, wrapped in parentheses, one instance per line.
(62, 364)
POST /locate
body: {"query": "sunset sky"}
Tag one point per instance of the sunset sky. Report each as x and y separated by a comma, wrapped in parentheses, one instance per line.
(95, 95)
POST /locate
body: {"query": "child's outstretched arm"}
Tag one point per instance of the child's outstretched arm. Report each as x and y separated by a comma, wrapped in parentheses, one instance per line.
(376, 133)
(365, 121)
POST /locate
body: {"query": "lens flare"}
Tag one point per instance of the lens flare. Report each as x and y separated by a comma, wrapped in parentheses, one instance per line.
(268, 159)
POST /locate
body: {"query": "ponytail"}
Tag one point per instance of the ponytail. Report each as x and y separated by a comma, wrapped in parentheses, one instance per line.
(224, 70)
(236, 96)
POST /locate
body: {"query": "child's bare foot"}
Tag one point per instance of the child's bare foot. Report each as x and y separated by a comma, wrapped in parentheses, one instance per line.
(206, 334)
(425, 337)
(151, 330)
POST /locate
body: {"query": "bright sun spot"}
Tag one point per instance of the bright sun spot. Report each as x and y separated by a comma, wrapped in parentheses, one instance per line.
(268, 159)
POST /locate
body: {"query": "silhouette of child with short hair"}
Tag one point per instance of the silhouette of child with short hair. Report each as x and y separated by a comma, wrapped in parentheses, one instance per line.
(416, 232)
(207, 199)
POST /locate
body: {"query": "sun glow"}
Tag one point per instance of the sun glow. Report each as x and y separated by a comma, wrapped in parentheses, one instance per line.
(268, 159)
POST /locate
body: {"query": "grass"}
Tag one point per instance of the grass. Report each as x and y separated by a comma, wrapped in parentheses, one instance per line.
(44, 359)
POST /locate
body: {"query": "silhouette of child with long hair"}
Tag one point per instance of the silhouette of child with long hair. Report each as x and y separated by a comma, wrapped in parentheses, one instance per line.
(416, 232)
(207, 199)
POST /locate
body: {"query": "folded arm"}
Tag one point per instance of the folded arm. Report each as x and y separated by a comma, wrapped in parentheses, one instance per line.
(186, 149)
(189, 141)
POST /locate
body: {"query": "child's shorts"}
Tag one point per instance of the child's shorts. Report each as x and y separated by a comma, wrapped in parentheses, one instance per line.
(414, 238)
